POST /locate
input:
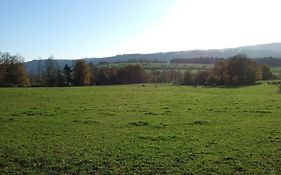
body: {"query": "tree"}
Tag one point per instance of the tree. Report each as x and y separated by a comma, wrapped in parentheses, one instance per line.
(241, 70)
(12, 71)
(51, 72)
(178, 78)
(220, 72)
(103, 77)
(201, 78)
(112, 75)
(92, 69)
(265, 72)
(164, 78)
(153, 76)
(67, 75)
(131, 74)
(188, 80)
(81, 73)
(172, 75)
(60, 78)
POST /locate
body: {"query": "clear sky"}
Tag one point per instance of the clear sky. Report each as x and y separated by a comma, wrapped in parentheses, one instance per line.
(75, 29)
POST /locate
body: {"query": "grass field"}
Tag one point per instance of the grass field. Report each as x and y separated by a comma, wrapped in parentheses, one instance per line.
(131, 129)
(276, 71)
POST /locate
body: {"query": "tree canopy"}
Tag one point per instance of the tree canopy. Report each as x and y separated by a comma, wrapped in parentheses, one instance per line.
(12, 71)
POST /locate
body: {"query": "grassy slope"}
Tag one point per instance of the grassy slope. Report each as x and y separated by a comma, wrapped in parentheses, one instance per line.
(152, 129)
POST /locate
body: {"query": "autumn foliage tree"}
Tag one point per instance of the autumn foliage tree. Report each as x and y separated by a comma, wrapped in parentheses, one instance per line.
(81, 73)
(219, 73)
(12, 71)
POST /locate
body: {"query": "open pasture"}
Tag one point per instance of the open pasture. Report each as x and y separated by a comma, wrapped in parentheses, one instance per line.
(141, 129)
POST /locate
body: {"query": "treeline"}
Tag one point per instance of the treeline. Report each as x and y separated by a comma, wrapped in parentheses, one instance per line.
(202, 60)
(13, 73)
(270, 61)
(83, 74)
(237, 70)
(130, 74)
(138, 61)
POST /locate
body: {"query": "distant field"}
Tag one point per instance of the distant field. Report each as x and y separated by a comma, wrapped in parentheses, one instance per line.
(276, 71)
(155, 129)
(165, 66)
(179, 67)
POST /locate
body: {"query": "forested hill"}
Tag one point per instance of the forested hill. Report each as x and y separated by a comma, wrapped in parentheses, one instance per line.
(256, 51)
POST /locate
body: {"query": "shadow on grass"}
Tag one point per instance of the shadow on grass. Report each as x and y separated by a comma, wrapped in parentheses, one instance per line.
(225, 86)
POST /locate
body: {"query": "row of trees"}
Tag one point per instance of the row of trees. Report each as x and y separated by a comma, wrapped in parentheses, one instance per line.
(202, 60)
(129, 74)
(238, 70)
(270, 61)
(83, 74)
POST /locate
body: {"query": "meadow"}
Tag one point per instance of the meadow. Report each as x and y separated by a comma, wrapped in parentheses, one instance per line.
(276, 71)
(140, 129)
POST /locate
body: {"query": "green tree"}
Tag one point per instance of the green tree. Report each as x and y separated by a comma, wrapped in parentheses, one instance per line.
(67, 71)
(241, 70)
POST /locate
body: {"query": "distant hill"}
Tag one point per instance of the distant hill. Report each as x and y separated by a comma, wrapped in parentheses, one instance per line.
(254, 51)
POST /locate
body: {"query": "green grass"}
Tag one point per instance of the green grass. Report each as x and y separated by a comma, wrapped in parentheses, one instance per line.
(276, 71)
(156, 129)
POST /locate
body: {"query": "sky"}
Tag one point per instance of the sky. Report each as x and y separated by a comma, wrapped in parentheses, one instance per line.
(74, 29)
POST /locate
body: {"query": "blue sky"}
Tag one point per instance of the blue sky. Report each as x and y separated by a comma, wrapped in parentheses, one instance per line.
(96, 28)
(75, 28)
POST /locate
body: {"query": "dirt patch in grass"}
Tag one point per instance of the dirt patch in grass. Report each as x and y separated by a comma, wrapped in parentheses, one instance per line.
(85, 121)
(138, 123)
(200, 122)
